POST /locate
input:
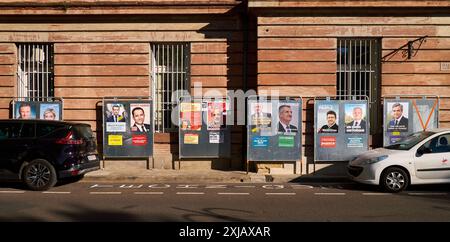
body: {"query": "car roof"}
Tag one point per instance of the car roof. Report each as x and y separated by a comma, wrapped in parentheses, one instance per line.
(39, 121)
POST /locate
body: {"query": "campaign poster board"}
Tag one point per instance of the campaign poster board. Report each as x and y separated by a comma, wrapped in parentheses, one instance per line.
(127, 128)
(341, 129)
(203, 132)
(403, 117)
(274, 129)
(37, 110)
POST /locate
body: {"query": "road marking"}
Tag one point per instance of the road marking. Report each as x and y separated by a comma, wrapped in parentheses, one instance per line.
(49, 192)
(216, 186)
(280, 193)
(302, 187)
(329, 193)
(245, 186)
(428, 193)
(375, 194)
(273, 186)
(149, 193)
(105, 193)
(190, 193)
(101, 186)
(233, 193)
(12, 191)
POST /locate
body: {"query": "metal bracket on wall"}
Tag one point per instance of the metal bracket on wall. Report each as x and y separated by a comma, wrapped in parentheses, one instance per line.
(408, 50)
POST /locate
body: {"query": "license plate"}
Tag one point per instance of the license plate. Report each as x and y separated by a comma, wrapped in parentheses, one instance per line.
(92, 157)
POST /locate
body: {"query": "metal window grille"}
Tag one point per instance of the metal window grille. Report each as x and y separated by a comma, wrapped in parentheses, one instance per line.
(35, 79)
(170, 72)
(358, 71)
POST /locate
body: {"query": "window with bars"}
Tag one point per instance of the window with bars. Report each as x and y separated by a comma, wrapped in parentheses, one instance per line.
(35, 77)
(170, 72)
(358, 72)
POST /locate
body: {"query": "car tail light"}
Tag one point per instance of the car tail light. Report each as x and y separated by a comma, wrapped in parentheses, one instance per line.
(69, 140)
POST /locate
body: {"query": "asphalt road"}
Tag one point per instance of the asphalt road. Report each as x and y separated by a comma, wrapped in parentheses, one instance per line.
(236, 202)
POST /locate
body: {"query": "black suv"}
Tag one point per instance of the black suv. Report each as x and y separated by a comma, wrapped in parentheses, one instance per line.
(39, 152)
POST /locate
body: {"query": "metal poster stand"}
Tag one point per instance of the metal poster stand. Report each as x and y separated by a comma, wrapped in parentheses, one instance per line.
(425, 121)
(134, 140)
(255, 154)
(37, 102)
(343, 133)
(199, 138)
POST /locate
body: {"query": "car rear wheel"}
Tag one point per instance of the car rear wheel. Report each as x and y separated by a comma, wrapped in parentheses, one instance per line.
(39, 175)
(394, 179)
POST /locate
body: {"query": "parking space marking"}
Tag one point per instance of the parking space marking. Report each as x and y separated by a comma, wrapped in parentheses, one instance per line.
(12, 191)
(329, 193)
(375, 194)
(427, 193)
(50, 192)
(281, 193)
(190, 193)
(233, 193)
(148, 193)
(105, 193)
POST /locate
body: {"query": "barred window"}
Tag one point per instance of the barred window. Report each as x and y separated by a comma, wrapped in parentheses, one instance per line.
(358, 72)
(35, 73)
(170, 72)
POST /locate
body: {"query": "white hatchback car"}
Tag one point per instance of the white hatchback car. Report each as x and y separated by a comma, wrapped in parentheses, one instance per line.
(420, 158)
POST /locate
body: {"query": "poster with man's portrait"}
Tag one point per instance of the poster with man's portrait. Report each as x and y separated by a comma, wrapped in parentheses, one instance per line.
(49, 111)
(25, 110)
(140, 117)
(287, 119)
(116, 117)
(216, 115)
(355, 118)
(328, 118)
(397, 116)
(261, 114)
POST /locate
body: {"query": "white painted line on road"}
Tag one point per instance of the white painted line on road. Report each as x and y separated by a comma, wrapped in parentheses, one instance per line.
(215, 186)
(376, 194)
(105, 193)
(12, 191)
(281, 193)
(190, 193)
(149, 193)
(302, 187)
(428, 193)
(329, 193)
(245, 186)
(233, 193)
(49, 192)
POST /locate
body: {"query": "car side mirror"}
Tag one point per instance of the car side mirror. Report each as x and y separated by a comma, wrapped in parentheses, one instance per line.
(423, 150)
(419, 152)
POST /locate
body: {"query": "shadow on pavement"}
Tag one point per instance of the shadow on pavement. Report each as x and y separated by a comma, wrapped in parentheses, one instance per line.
(211, 213)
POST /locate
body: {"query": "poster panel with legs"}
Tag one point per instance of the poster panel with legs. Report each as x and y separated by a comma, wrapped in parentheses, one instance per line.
(274, 129)
(127, 127)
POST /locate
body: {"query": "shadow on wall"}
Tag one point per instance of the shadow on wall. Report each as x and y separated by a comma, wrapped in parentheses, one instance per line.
(228, 75)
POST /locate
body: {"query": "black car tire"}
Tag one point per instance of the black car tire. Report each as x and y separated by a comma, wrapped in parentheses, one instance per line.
(394, 179)
(39, 175)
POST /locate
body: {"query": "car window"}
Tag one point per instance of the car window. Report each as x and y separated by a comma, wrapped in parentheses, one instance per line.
(4, 131)
(83, 132)
(410, 141)
(48, 129)
(22, 130)
(438, 144)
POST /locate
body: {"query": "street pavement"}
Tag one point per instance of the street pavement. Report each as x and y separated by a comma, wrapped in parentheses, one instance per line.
(89, 200)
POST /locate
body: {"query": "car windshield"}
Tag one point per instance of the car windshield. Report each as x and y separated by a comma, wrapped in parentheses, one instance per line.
(409, 141)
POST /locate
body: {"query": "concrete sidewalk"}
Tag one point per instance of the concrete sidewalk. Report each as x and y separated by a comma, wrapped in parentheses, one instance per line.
(129, 175)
